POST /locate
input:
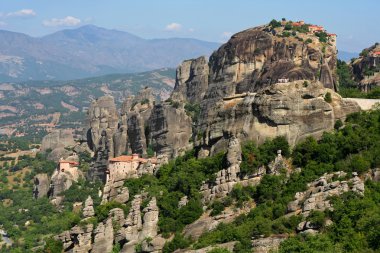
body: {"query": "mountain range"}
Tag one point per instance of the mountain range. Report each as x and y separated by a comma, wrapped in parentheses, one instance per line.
(90, 51)
(347, 56)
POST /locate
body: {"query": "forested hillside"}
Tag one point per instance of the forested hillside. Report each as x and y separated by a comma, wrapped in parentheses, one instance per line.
(353, 147)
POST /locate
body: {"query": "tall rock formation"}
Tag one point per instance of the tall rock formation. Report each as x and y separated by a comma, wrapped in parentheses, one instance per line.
(103, 122)
(56, 142)
(366, 68)
(58, 139)
(191, 80)
(264, 82)
(255, 58)
(103, 118)
(41, 185)
(170, 129)
(294, 110)
(136, 228)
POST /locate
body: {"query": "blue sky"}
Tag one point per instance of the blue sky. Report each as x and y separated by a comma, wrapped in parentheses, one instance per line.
(355, 22)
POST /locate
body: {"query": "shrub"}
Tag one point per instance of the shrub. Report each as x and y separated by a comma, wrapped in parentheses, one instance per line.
(317, 218)
(178, 242)
(219, 250)
(274, 23)
(217, 208)
(328, 97)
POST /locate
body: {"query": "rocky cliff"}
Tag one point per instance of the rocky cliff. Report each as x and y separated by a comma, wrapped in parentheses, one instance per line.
(366, 68)
(264, 82)
(295, 110)
(191, 80)
(56, 143)
(139, 226)
(260, 56)
(142, 126)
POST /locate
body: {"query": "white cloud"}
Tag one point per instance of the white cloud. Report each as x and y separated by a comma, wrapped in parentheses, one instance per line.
(21, 13)
(2, 24)
(66, 21)
(226, 34)
(173, 27)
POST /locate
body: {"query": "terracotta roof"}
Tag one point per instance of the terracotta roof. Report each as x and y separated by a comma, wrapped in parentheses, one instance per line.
(297, 23)
(123, 158)
(129, 158)
(376, 53)
(317, 27)
(70, 162)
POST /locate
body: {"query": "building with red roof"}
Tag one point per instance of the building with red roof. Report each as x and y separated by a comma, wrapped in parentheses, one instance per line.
(298, 23)
(68, 166)
(127, 166)
(316, 28)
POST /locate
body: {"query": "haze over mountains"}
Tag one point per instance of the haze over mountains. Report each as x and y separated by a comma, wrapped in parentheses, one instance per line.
(90, 51)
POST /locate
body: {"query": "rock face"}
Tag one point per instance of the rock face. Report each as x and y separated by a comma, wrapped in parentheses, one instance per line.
(268, 244)
(226, 178)
(136, 111)
(41, 185)
(191, 80)
(171, 130)
(58, 139)
(62, 181)
(317, 196)
(366, 68)
(229, 246)
(103, 239)
(207, 223)
(88, 210)
(261, 84)
(111, 135)
(126, 231)
(255, 58)
(103, 117)
(294, 110)
(56, 142)
(103, 122)
(115, 190)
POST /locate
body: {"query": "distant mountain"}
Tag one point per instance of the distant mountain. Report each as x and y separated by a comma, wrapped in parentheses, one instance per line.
(25, 105)
(90, 51)
(347, 56)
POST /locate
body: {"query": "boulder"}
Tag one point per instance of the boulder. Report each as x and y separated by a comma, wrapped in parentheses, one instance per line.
(150, 220)
(103, 239)
(57, 139)
(41, 185)
(88, 210)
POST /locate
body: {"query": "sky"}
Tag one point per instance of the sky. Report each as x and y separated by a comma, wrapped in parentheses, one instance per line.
(355, 22)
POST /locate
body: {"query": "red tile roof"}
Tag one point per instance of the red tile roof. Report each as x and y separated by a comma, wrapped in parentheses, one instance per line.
(123, 158)
(316, 27)
(376, 53)
(70, 162)
(128, 159)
